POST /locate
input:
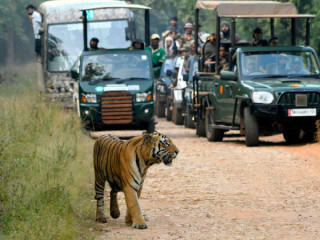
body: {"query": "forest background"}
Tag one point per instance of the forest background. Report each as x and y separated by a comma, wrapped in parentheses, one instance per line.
(17, 43)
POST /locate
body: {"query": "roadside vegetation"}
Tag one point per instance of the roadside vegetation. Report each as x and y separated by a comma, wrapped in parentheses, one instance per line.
(46, 173)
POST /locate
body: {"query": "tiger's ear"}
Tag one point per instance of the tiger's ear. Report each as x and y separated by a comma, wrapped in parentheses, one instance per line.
(147, 136)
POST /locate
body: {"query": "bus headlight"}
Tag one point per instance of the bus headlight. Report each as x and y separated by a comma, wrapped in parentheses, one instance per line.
(262, 97)
(143, 97)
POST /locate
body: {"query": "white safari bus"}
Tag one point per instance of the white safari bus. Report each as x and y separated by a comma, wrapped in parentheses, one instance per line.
(62, 39)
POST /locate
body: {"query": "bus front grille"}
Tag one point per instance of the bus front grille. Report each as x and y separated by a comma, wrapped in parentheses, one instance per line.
(116, 108)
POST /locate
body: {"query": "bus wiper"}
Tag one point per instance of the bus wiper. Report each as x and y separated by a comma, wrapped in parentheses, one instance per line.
(101, 80)
(132, 78)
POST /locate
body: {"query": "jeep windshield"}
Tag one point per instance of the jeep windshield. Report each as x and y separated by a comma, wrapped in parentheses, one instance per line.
(116, 67)
(283, 64)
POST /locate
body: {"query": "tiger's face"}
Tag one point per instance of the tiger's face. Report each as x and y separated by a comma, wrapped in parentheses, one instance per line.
(163, 149)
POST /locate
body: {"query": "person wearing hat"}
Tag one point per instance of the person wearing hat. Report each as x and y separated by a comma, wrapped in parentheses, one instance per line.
(137, 44)
(173, 27)
(187, 37)
(94, 44)
(208, 49)
(158, 54)
(258, 38)
(36, 21)
(226, 33)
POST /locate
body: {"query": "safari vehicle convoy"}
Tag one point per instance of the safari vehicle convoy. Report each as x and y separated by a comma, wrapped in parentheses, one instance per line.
(115, 85)
(62, 41)
(262, 90)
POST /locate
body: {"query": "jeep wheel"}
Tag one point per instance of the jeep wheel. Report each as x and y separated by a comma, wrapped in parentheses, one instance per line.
(200, 128)
(169, 111)
(160, 110)
(150, 126)
(292, 136)
(251, 129)
(188, 122)
(177, 115)
(213, 134)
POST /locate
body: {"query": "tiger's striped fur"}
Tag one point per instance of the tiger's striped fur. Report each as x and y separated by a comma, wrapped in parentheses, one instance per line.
(124, 165)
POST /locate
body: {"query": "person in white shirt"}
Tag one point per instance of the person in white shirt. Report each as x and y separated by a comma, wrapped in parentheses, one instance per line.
(36, 20)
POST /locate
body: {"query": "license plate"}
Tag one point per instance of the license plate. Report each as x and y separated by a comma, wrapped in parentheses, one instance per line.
(302, 112)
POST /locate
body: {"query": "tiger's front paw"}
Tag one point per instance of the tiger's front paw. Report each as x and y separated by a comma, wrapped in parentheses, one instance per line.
(101, 219)
(139, 226)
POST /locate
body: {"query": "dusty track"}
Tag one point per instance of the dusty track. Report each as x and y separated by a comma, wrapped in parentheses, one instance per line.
(227, 191)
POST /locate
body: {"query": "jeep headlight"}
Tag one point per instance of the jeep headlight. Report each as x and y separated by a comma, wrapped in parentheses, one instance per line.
(143, 97)
(262, 97)
(89, 98)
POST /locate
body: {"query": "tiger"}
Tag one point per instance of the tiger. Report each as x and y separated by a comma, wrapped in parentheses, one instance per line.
(124, 164)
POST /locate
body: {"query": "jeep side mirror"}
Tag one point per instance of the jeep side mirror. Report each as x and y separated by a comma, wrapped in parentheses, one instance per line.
(185, 77)
(74, 74)
(228, 75)
(169, 72)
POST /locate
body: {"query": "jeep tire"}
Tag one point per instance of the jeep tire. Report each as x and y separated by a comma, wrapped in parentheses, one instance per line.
(177, 117)
(188, 122)
(150, 126)
(160, 109)
(251, 128)
(169, 111)
(200, 128)
(213, 134)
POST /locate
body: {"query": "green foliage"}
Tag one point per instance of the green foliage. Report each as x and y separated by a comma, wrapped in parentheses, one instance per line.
(43, 176)
(14, 18)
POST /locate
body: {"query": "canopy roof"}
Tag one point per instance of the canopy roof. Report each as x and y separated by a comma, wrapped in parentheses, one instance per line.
(252, 9)
(116, 4)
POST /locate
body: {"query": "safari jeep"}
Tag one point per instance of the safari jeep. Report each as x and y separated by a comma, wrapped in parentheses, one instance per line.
(115, 85)
(263, 97)
(263, 90)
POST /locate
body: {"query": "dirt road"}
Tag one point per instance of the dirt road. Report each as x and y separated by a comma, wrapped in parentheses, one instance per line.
(227, 191)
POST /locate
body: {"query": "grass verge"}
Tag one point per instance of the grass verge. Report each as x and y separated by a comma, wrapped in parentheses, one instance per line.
(46, 174)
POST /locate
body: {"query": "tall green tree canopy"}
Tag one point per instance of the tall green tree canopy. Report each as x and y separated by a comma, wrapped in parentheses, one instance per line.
(17, 44)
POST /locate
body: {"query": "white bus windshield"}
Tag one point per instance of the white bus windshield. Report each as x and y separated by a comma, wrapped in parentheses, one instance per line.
(65, 41)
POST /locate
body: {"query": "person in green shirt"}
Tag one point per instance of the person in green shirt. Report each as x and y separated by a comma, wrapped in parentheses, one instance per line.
(158, 54)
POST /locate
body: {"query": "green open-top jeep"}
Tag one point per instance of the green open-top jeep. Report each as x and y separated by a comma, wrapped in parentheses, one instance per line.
(116, 85)
(264, 90)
